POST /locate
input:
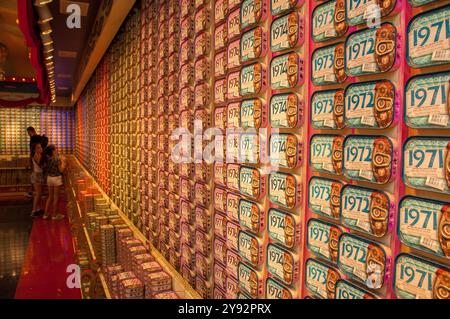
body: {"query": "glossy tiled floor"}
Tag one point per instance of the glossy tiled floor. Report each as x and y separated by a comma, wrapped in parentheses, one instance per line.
(49, 252)
(15, 226)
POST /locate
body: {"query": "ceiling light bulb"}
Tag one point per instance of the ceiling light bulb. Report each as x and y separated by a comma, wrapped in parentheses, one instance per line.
(44, 14)
(46, 39)
(40, 3)
(49, 48)
(45, 28)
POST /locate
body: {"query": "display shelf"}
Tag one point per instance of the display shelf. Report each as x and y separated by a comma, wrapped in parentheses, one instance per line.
(16, 185)
(91, 248)
(180, 284)
(14, 168)
(105, 286)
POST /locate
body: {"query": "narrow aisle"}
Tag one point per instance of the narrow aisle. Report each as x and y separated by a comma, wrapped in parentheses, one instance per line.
(50, 251)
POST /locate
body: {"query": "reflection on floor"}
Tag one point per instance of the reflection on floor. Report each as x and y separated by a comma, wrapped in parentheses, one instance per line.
(15, 226)
(50, 252)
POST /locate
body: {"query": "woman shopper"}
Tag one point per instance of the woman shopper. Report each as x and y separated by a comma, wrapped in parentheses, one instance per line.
(54, 165)
(37, 178)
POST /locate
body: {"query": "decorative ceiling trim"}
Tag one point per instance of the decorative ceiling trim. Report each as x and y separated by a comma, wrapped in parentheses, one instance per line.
(30, 29)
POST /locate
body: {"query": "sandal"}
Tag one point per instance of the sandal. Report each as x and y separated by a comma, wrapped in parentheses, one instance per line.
(46, 216)
(58, 217)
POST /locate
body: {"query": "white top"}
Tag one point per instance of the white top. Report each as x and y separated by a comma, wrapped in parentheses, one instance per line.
(36, 167)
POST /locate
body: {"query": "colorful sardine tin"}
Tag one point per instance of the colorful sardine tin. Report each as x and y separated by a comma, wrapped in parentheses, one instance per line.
(286, 71)
(249, 248)
(220, 199)
(326, 153)
(358, 12)
(252, 44)
(427, 102)
(327, 110)
(220, 225)
(220, 10)
(286, 32)
(233, 86)
(371, 51)
(323, 239)
(328, 21)
(249, 280)
(366, 210)
(428, 38)
(370, 104)
(233, 260)
(282, 264)
(233, 115)
(416, 278)
(362, 260)
(321, 279)
(233, 176)
(253, 113)
(275, 290)
(250, 182)
(426, 163)
(285, 110)
(281, 6)
(251, 79)
(282, 228)
(233, 24)
(220, 64)
(233, 54)
(251, 12)
(232, 206)
(283, 189)
(220, 37)
(284, 150)
(325, 197)
(249, 148)
(423, 225)
(232, 235)
(368, 158)
(250, 216)
(323, 71)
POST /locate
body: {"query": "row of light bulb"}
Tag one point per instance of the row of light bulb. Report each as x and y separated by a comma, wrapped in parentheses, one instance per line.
(44, 24)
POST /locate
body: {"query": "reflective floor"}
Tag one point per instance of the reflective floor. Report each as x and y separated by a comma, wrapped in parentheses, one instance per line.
(34, 254)
(15, 227)
(50, 251)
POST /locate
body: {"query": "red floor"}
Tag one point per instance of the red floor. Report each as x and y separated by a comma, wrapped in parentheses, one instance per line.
(49, 252)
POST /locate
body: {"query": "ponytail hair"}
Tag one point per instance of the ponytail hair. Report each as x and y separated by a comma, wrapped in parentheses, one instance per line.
(46, 155)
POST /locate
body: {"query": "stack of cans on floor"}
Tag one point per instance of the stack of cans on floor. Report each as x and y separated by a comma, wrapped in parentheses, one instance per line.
(108, 246)
(157, 282)
(139, 263)
(129, 286)
(111, 276)
(87, 202)
(137, 274)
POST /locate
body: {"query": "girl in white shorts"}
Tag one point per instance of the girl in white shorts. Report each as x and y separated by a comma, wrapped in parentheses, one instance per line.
(54, 166)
